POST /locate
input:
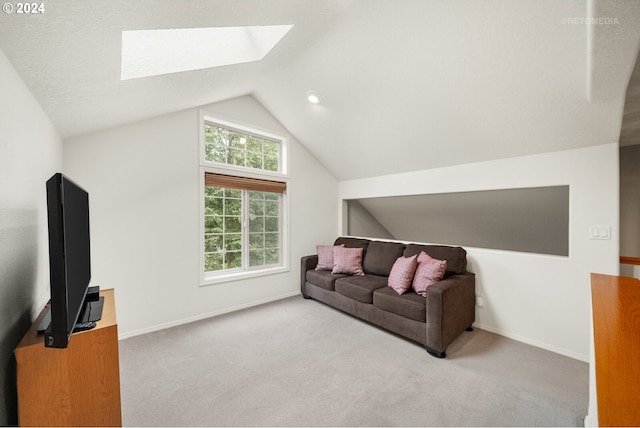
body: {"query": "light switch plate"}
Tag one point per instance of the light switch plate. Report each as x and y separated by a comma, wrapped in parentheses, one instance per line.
(600, 232)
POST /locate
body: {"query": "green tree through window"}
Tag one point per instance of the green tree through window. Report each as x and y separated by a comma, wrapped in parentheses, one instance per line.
(224, 234)
(231, 147)
(264, 228)
(222, 228)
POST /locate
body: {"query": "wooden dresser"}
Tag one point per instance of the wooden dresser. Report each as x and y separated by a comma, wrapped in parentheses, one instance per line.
(75, 386)
(616, 337)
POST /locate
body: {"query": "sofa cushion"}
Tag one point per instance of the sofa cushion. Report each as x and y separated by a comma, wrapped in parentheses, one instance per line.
(353, 243)
(347, 260)
(408, 305)
(381, 256)
(325, 257)
(401, 275)
(360, 288)
(456, 257)
(323, 278)
(428, 272)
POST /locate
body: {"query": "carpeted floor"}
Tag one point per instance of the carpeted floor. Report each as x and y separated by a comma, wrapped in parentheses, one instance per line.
(298, 362)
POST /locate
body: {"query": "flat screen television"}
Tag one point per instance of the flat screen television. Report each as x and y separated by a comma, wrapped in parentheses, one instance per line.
(69, 257)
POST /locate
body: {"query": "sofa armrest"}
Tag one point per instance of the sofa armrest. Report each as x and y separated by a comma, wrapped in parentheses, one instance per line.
(450, 310)
(307, 263)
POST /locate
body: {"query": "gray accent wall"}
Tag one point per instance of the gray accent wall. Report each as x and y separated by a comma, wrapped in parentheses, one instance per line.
(630, 201)
(363, 223)
(534, 220)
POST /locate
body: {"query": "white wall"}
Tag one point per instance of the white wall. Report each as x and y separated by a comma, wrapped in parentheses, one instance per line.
(537, 299)
(143, 182)
(30, 153)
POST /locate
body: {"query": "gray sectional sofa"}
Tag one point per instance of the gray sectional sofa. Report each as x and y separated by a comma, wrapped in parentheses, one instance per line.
(434, 321)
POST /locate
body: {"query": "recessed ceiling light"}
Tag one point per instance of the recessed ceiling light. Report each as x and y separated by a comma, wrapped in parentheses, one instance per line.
(314, 97)
(153, 52)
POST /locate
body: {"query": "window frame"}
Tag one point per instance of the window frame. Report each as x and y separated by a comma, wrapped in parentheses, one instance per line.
(282, 172)
(204, 166)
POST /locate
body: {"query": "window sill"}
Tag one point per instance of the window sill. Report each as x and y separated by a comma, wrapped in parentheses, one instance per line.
(237, 276)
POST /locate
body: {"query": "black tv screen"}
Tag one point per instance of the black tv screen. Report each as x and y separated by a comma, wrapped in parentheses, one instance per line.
(69, 256)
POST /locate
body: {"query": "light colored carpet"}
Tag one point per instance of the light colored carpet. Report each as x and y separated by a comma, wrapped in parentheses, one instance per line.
(298, 362)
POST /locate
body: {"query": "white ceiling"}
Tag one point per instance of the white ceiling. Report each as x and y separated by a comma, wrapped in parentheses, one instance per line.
(406, 84)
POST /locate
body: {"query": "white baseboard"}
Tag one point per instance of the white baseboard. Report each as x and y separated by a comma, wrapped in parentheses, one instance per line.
(590, 422)
(535, 343)
(204, 316)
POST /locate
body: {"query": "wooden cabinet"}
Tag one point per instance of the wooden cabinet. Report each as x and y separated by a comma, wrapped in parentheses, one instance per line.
(616, 337)
(75, 386)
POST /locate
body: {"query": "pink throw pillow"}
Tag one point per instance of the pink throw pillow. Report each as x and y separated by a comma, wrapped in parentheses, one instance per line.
(402, 273)
(347, 260)
(428, 272)
(325, 256)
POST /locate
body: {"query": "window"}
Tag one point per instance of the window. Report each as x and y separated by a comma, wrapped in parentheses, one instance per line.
(231, 147)
(241, 213)
(161, 51)
(244, 203)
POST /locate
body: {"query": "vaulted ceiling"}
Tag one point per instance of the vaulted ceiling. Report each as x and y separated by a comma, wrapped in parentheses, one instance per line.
(630, 132)
(405, 84)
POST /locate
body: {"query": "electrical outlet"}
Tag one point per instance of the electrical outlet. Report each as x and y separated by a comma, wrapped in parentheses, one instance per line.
(479, 302)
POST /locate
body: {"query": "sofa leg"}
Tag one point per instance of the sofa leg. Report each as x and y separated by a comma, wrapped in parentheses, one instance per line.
(306, 297)
(437, 354)
(470, 328)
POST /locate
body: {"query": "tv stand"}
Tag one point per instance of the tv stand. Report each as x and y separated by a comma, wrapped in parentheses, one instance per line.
(91, 310)
(75, 386)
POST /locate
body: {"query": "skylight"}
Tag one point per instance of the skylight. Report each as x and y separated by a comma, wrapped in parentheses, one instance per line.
(153, 52)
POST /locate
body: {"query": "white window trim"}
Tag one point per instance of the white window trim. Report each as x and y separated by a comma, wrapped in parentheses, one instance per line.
(211, 278)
